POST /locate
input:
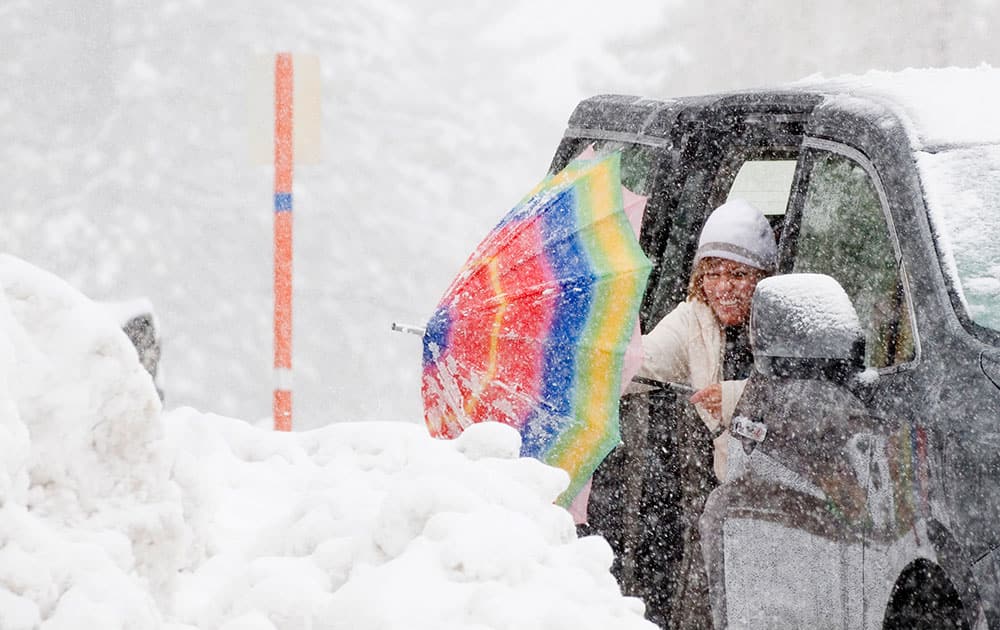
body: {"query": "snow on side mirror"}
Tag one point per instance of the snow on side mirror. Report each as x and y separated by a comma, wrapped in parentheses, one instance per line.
(804, 326)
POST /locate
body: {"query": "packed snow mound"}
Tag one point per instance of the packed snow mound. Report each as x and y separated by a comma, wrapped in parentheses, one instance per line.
(376, 525)
(91, 523)
(117, 515)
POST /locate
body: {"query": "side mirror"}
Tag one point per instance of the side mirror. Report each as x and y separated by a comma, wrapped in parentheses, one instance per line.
(804, 326)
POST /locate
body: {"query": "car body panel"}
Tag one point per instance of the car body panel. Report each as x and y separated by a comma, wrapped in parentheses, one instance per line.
(927, 459)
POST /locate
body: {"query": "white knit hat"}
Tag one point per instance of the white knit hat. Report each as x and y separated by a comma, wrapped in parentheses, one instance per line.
(738, 231)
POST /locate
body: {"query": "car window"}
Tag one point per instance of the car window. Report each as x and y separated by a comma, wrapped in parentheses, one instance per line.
(765, 184)
(843, 232)
(636, 162)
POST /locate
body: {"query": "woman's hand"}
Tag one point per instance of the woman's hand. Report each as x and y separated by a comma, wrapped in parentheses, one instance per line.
(709, 399)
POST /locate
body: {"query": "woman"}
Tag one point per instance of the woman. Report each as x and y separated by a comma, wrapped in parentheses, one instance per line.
(650, 520)
(704, 341)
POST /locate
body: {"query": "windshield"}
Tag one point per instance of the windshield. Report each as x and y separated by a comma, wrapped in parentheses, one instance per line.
(962, 187)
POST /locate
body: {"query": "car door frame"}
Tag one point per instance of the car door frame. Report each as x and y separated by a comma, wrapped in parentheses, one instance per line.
(878, 141)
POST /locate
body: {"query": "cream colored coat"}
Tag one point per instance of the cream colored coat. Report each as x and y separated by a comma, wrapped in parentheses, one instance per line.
(687, 347)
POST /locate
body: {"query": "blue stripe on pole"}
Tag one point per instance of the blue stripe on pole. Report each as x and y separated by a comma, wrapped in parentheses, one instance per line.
(282, 202)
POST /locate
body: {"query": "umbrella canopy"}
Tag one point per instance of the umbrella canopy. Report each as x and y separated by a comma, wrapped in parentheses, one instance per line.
(534, 330)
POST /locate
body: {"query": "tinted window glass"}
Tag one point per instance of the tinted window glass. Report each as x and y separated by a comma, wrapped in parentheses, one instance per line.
(843, 233)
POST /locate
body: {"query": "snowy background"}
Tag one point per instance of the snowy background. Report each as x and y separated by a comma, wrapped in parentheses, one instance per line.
(126, 170)
(125, 174)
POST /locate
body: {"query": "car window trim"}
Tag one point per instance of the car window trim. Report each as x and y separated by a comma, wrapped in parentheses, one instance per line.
(809, 142)
(615, 136)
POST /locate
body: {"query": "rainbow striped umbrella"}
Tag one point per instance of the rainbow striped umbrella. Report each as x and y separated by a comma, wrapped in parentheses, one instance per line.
(533, 331)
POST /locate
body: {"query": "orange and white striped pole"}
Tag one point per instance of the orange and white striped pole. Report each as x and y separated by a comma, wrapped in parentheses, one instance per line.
(284, 117)
(284, 158)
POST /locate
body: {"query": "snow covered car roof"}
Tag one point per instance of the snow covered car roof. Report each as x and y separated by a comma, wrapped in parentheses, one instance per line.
(940, 107)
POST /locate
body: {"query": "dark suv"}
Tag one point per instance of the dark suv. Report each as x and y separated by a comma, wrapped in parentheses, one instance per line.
(886, 511)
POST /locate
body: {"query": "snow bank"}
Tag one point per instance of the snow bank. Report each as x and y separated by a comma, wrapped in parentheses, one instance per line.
(375, 525)
(115, 515)
(91, 524)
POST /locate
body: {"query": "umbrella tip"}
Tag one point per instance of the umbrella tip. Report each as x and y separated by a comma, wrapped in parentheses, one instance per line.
(408, 328)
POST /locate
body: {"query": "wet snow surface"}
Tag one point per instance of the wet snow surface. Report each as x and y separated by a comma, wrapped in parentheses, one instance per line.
(118, 515)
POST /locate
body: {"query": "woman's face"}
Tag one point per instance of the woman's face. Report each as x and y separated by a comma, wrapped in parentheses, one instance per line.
(728, 287)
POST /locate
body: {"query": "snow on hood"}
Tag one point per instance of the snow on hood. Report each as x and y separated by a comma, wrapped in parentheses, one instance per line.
(941, 107)
(116, 515)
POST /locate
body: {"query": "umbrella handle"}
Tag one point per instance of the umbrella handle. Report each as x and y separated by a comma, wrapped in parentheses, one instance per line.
(678, 388)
